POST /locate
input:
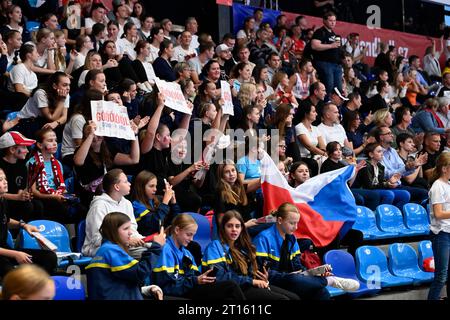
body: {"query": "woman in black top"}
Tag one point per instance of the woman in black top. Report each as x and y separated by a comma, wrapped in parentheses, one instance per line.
(163, 67)
(9, 258)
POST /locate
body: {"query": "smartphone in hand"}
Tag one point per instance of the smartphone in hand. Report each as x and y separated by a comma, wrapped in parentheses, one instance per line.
(213, 273)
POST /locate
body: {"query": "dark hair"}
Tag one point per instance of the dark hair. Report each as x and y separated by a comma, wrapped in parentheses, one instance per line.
(402, 137)
(234, 73)
(380, 85)
(111, 178)
(328, 14)
(98, 28)
(295, 166)
(128, 26)
(163, 46)
(298, 18)
(207, 66)
(41, 133)
(349, 117)
(110, 226)
(412, 58)
(154, 32)
(227, 36)
(125, 85)
(257, 72)
(51, 93)
(399, 113)
(243, 248)
(313, 87)
(205, 46)
(332, 147)
(91, 75)
(370, 148)
(139, 194)
(140, 45)
(26, 49)
(304, 110)
(376, 132)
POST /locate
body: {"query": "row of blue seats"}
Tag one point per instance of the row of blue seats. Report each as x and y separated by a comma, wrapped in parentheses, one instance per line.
(402, 267)
(388, 221)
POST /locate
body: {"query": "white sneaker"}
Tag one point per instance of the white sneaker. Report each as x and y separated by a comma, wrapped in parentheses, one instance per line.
(345, 284)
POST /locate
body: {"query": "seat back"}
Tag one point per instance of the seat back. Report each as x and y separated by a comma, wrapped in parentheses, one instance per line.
(415, 215)
(389, 217)
(342, 263)
(10, 240)
(70, 184)
(362, 222)
(402, 257)
(81, 234)
(68, 288)
(32, 26)
(203, 235)
(53, 231)
(368, 258)
(425, 251)
(12, 115)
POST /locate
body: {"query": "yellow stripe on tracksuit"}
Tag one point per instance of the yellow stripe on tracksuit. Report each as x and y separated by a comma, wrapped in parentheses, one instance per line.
(172, 269)
(265, 254)
(209, 262)
(143, 214)
(113, 269)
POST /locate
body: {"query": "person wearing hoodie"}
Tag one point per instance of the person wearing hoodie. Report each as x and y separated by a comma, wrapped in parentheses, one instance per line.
(116, 186)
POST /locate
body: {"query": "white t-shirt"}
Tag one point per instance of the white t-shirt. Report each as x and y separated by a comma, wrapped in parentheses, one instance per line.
(89, 22)
(32, 109)
(21, 74)
(72, 130)
(312, 135)
(79, 61)
(125, 46)
(179, 53)
(439, 193)
(334, 133)
(154, 51)
(195, 65)
(447, 51)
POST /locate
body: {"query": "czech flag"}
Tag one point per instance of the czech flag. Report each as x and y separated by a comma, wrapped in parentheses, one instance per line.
(326, 204)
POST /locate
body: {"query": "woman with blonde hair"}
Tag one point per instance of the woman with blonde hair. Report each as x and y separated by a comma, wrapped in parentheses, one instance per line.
(46, 46)
(382, 117)
(440, 225)
(27, 282)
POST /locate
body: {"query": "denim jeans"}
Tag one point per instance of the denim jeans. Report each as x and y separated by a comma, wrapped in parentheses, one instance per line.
(441, 252)
(331, 76)
(394, 196)
(306, 287)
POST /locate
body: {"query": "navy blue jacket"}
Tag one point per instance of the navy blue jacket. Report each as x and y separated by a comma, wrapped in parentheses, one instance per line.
(114, 275)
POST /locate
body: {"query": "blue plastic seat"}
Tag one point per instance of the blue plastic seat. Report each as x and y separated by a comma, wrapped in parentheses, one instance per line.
(343, 266)
(56, 233)
(334, 292)
(366, 223)
(32, 26)
(390, 219)
(203, 235)
(68, 288)
(10, 240)
(81, 234)
(403, 262)
(425, 251)
(70, 187)
(12, 115)
(372, 268)
(416, 218)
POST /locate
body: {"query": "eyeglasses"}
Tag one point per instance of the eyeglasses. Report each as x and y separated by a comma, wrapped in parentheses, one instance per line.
(386, 133)
(282, 146)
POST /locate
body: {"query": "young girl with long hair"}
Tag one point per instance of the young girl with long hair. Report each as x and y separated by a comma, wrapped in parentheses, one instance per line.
(440, 224)
(113, 274)
(234, 257)
(149, 210)
(177, 273)
(277, 248)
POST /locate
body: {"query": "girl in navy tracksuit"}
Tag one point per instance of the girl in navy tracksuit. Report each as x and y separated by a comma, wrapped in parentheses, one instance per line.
(178, 275)
(234, 257)
(149, 211)
(277, 248)
(113, 274)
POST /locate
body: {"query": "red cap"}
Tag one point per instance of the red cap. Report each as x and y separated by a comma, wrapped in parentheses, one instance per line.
(14, 138)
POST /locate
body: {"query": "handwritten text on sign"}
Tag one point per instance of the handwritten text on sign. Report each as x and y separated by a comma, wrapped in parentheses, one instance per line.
(111, 120)
(174, 96)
